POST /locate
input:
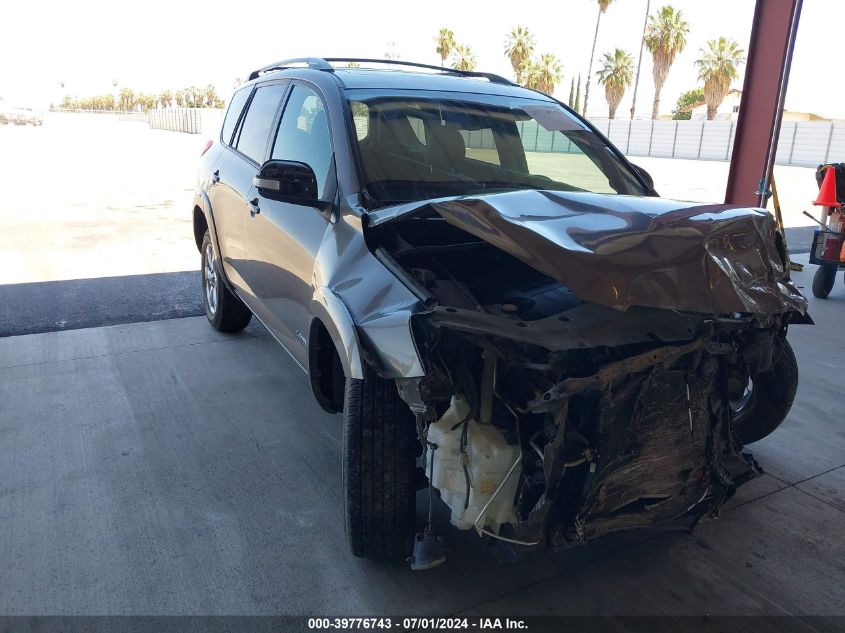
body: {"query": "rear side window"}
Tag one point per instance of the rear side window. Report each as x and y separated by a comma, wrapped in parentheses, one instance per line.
(236, 105)
(255, 130)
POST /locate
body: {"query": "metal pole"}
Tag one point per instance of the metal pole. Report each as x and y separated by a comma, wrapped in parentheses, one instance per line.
(728, 144)
(792, 147)
(829, 139)
(675, 140)
(639, 65)
(701, 137)
(758, 124)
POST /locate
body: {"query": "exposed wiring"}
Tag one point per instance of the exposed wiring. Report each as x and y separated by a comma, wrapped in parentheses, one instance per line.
(537, 448)
(465, 460)
(517, 462)
(433, 447)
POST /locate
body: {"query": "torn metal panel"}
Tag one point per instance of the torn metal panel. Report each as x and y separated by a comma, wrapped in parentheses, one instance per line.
(662, 451)
(623, 251)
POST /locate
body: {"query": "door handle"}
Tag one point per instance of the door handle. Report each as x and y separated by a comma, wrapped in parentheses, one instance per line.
(253, 207)
(215, 177)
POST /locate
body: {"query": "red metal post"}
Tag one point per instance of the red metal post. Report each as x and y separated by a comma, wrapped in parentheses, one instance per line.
(761, 109)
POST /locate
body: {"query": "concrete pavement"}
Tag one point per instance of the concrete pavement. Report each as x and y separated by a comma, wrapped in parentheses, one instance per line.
(164, 468)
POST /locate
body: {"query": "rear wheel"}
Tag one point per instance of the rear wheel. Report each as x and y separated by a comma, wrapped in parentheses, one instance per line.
(224, 310)
(379, 461)
(824, 279)
(768, 398)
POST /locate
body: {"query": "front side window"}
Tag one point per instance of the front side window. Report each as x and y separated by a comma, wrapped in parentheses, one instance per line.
(418, 145)
(303, 135)
(255, 130)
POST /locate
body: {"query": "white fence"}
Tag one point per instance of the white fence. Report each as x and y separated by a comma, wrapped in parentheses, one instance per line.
(176, 120)
(805, 143)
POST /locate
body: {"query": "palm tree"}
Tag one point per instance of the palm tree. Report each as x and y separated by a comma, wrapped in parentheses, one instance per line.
(547, 73)
(717, 68)
(519, 47)
(445, 44)
(529, 75)
(126, 99)
(210, 95)
(603, 4)
(463, 58)
(616, 74)
(666, 36)
(578, 96)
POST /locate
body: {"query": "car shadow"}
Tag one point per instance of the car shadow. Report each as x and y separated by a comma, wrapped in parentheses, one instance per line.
(50, 306)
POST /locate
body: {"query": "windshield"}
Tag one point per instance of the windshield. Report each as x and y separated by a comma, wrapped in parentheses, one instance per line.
(416, 145)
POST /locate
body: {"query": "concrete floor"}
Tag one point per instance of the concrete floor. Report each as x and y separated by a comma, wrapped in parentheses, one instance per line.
(164, 468)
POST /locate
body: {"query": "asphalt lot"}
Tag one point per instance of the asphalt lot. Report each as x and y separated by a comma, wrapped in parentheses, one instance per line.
(162, 468)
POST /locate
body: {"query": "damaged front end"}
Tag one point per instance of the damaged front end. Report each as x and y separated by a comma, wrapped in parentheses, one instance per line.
(582, 353)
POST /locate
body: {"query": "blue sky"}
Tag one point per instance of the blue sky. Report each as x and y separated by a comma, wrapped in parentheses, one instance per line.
(158, 45)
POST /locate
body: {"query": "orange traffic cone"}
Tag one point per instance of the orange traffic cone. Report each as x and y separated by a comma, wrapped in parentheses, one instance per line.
(827, 192)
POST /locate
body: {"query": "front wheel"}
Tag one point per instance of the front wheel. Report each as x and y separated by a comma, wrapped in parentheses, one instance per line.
(379, 460)
(768, 398)
(223, 309)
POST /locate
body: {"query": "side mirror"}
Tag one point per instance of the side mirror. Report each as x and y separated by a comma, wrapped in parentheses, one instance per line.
(645, 175)
(288, 181)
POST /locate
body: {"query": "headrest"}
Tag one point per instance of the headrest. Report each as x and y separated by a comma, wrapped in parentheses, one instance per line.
(448, 139)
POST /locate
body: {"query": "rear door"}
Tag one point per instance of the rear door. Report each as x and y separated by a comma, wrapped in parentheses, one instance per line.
(234, 172)
(283, 239)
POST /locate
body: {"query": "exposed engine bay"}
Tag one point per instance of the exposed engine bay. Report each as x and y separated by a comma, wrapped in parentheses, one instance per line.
(579, 378)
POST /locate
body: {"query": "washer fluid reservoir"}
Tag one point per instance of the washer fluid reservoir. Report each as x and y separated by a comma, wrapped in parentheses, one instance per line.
(489, 458)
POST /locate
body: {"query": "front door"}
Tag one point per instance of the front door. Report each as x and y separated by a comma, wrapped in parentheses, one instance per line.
(236, 168)
(283, 239)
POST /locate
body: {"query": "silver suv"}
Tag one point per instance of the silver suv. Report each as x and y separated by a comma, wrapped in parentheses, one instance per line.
(496, 300)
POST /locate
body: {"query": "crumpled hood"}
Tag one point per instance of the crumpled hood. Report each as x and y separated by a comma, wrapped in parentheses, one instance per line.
(621, 251)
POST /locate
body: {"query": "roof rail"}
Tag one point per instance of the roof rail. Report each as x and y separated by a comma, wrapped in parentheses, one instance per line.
(318, 63)
(311, 62)
(496, 79)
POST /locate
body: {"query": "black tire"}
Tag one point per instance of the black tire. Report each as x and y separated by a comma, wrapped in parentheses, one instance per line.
(230, 314)
(771, 397)
(823, 280)
(379, 459)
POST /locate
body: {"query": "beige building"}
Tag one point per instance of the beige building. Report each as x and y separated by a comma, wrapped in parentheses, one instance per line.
(728, 110)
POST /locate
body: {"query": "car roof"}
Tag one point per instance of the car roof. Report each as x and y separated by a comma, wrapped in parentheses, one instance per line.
(397, 78)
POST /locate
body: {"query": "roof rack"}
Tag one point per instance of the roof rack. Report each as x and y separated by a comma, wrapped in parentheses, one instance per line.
(318, 63)
(311, 62)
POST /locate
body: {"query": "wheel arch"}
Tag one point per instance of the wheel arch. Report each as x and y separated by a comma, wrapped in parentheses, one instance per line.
(203, 220)
(332, 334)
